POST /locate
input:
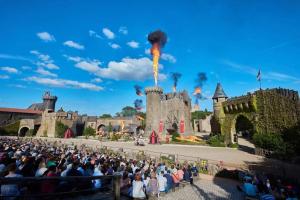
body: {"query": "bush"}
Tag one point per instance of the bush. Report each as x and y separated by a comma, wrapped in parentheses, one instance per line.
(174, 137)
(11, 129)
(89, 131)
(269, 141)
(115, 137)
(233, 145)
(216, 141)
(60, 129)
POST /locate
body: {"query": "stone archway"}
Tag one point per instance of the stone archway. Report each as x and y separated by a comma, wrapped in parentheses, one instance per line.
(23, 131)
(243, 125)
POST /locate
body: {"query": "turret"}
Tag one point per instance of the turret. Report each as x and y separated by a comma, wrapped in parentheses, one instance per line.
(218, 98)
(49, 101)
(153, 118)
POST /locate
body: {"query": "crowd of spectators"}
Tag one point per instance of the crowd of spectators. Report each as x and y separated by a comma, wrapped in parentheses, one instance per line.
(141, 179)
(267, 187)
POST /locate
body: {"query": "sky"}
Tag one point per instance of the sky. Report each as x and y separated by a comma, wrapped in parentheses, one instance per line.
(91, 53)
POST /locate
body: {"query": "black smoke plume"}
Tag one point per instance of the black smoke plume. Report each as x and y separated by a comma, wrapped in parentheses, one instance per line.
(138, 90)
(175, 76)
(201, 79)
(158, 37)
(138, 104)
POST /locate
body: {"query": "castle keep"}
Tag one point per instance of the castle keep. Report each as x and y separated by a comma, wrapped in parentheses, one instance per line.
(168, 112)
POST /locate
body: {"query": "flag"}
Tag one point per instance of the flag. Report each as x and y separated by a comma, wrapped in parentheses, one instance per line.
(258, 75)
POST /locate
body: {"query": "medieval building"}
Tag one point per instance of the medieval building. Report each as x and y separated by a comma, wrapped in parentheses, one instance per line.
(263, 111)
(167, 113)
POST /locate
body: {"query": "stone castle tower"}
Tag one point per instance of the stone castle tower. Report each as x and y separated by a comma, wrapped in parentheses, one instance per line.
(167, 112)
(218, 98)
(49, 101)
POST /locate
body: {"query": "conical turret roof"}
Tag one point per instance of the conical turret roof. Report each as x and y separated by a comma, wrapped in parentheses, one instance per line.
(219, 92)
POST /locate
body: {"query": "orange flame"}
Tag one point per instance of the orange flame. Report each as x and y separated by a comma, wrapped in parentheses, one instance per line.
(197, 91)
(174, 89)
(139, 117)
(155, 51)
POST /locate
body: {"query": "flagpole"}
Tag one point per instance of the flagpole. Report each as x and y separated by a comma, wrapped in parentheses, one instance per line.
(260, 83)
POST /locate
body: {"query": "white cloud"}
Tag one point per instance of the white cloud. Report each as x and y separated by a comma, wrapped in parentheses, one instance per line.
(114, 45)
(11, 70)
(73, 58)
(45, 36)
(123, 30)
(45, 60)
(13, 57)
(45, 72)
(243, 68)
(4, 77)
(168, 57)
(277, 76)
(73, 44)
(26, 68)
(165, 56)
(52, 66)
(129, 69)
(17, 85)
(94, 34)
(147, 51)
(90, 66)
(97, 80)
(108, 33)
(133, 44)
(63, 83)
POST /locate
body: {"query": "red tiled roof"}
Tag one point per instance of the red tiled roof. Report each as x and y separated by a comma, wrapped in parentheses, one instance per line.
(17, 110)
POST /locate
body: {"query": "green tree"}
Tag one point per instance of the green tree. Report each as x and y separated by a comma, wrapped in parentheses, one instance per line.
(60, 129)
(105, 116)
(128, 111)
(11, 129)
(109, 128)
(200, 114)
(89, 131)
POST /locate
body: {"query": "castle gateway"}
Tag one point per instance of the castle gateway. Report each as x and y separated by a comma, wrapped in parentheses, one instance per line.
(264, 111)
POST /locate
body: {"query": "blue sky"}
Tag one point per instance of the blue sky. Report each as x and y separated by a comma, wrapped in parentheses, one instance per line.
(91, 53)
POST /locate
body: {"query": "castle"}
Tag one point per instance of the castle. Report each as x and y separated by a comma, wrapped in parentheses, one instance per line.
(40, 119)
(167, 113)
(263, 111)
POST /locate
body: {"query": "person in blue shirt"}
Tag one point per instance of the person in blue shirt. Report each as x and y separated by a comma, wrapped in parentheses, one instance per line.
(169, 180)
(250, 189)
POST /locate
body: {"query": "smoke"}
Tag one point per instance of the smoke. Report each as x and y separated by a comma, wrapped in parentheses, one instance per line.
(138, 90)
(201, 79)
(175, 76)
(138, 104)
(157, 37)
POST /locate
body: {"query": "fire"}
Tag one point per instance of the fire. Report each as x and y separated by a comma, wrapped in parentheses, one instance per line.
(174, 89)
(155, 51)
(197, 91)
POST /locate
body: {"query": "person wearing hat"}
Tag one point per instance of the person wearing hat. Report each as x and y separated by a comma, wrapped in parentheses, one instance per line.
(49, 186)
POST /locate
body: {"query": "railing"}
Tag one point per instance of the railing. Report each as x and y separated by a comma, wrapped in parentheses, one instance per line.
(110, 187)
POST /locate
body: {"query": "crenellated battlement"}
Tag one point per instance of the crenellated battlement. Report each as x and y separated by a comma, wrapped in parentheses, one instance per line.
(175, 95)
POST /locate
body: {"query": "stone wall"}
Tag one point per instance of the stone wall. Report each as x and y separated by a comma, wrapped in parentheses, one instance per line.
(169, 109)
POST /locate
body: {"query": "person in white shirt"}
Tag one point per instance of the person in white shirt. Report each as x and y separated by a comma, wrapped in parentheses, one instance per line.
(162, 182)
(138, 188)
(97, 172)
